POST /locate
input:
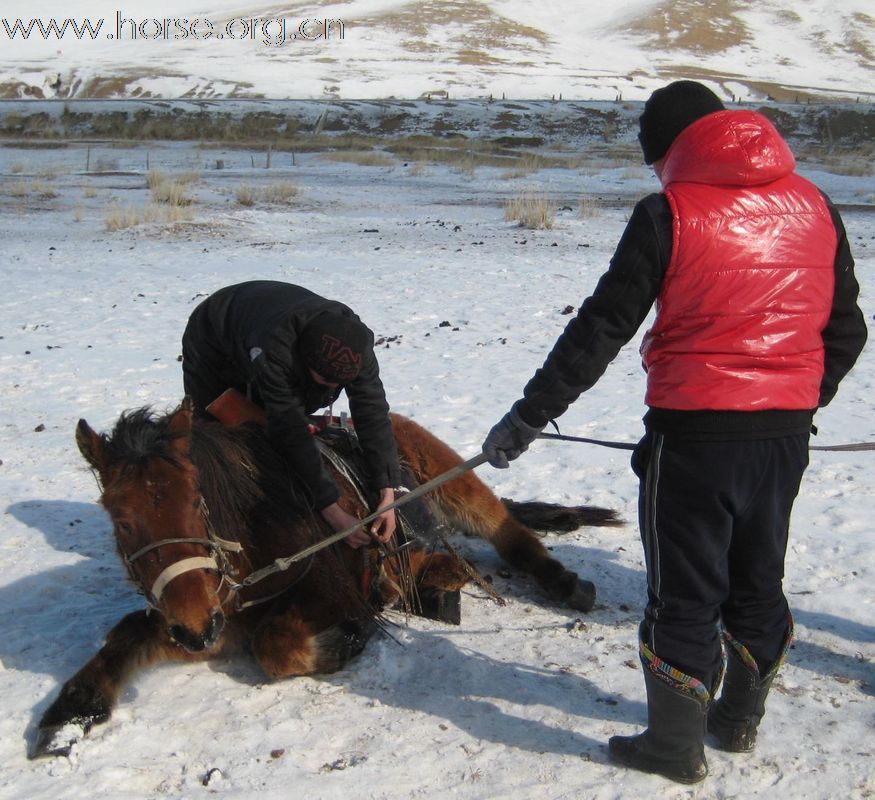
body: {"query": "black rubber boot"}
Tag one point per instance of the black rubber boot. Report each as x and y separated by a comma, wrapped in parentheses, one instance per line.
(672, 745)
(733, 720)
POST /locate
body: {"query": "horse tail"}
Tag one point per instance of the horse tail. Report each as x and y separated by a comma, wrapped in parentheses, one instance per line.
(557, 518)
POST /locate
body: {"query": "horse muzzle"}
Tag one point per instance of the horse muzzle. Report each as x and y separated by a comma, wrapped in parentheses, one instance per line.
(197, 642)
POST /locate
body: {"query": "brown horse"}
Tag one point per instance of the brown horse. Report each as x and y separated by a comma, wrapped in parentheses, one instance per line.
(200, 510)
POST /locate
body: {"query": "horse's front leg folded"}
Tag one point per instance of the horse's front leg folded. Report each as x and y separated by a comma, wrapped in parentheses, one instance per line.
(288, 645)
(437, 578)
(88, 698)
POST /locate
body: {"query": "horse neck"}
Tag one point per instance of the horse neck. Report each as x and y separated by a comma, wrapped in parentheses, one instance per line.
(231, 478)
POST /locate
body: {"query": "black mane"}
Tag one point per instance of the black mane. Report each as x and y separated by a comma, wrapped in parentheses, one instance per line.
(241, 476)
(138, 436)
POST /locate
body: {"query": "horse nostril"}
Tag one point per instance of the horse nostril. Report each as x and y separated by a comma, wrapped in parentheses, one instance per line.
(198, 642)
(217, 624)
(184, 637)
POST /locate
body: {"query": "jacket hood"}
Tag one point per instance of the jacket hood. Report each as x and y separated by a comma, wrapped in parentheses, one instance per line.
(728, 148)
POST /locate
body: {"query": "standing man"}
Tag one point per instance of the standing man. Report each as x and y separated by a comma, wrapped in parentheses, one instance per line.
(293, 352)
(756, 324)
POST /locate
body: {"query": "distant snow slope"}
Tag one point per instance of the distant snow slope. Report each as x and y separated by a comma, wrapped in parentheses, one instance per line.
(463, 48)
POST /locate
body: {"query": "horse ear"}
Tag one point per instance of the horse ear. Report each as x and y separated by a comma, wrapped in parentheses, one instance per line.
(90, 445)
(180, 425)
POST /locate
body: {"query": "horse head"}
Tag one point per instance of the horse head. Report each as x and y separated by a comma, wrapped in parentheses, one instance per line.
(150, 489)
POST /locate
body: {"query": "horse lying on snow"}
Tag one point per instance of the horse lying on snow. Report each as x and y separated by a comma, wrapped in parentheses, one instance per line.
(198, 507)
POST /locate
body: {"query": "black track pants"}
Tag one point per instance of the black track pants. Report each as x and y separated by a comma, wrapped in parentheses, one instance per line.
(714, 520)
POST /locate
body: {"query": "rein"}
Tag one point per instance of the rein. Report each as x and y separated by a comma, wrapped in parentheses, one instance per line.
(282, 564)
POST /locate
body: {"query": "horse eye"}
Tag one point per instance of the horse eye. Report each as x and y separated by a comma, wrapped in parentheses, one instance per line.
(123, 527)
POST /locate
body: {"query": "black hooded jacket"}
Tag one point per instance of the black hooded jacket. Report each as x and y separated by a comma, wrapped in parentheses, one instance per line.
(247, 334)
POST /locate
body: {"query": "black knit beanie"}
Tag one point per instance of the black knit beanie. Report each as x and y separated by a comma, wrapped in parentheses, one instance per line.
(671, 109)
(334, 346)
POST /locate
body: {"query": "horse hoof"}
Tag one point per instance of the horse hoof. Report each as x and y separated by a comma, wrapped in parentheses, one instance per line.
(441, 605)
(57, 740)
(582, 597)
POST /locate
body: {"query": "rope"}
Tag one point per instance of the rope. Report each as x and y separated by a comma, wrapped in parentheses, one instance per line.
(583, 440)
(844, 448)
(835, 448)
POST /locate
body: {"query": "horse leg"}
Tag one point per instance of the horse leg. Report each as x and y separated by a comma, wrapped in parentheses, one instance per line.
(470, 505)
(286, 644)
(88, 698)
(438, 578)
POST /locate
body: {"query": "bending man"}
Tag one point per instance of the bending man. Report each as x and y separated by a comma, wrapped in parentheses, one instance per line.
(292, 352)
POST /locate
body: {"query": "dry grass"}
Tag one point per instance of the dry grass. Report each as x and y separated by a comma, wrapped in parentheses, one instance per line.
(417, 170)
(467, 155)
(17, 168)
(703, 26)
(172, 191)
(280, 193)
(632, 173)
(17, 189)
(530, 211)
(186, 178)
(467, 164)
(589, 207)
(854, 164)
(527, 165)
(33, 189)
(171, 194)
(246, 195)
(43, 190)
(363, 158)
(467, 25)
(119, 218)
(155, 178)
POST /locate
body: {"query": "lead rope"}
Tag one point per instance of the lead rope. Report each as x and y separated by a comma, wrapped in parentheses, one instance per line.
(834, 448)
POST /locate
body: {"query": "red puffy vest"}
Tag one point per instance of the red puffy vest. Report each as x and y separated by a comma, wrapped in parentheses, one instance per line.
(750, 283)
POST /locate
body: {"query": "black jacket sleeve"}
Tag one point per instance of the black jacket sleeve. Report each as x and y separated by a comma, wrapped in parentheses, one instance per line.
(845, 333)
(608, 319)
(370, 413)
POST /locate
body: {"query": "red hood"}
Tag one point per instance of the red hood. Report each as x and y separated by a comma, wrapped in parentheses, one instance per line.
(728, 148)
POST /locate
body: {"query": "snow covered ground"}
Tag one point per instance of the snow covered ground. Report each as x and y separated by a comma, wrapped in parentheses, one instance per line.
(517, 702)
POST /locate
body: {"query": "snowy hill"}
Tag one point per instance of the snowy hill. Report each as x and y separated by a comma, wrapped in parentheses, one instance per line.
(805, 50)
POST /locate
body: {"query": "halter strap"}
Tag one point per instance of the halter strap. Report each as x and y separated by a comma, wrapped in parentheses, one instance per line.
(179, 568)
(160, 543)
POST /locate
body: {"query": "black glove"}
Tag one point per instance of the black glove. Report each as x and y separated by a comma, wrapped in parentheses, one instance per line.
(509, 439)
